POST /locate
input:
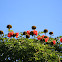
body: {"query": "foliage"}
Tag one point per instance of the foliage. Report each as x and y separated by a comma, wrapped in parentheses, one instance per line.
(12, 49)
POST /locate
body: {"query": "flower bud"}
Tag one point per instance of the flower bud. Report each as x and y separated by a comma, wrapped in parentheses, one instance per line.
(9, 26)
(1, 32)
(33, 27)
(50, 33)
(45, 30)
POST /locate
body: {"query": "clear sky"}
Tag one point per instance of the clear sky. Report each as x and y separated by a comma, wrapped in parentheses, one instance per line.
(22, 14)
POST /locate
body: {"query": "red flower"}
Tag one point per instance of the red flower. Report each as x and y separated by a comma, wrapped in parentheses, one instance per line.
(43, 36)
(13, 34)
(28, 32)
(35, 32)
(54, 42)
(46, 39)
(17, 34)
(10, 34)
(39, 37)
(61, 39)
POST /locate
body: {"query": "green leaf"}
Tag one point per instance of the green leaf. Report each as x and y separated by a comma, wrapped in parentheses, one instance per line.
(61, 45)
(10, 30)
(42, 32)
(60, 36)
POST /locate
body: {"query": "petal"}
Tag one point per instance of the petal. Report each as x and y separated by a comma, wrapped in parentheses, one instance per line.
(46, 39)
(9, 35)
(54, 42)
(39, 37)
(17, 34)
(35, 32)
(43, 36)
(28, 32)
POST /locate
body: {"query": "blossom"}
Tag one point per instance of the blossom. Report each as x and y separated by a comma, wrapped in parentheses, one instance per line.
(28, 32)
(61, 39)
(43, 36)
(46, 39)
(54, 42)
(17, 34)
(39, 37)
(10, 34)
(35, 32)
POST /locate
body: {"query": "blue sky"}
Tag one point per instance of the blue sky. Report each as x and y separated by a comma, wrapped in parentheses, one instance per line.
(22, 14)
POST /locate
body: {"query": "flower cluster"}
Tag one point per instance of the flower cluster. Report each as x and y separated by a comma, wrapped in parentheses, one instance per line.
(28, 33)
(43, 38)
(34, 32)
(12, 34)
